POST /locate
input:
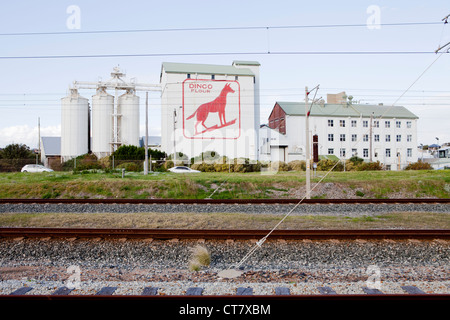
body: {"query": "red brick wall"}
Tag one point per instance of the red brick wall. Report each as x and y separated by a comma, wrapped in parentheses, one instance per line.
(277, 119)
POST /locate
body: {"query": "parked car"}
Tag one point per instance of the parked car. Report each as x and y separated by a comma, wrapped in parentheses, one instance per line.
(35, 168)
(181, 169)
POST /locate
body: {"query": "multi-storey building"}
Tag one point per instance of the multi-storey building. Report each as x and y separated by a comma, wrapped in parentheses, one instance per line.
(210, 108)
(373, 132)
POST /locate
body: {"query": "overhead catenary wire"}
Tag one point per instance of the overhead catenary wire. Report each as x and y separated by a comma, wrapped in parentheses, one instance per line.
(237, 28)
(180, 54)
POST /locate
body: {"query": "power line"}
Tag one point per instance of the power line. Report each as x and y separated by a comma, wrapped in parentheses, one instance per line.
(216, 29)
(136, 55)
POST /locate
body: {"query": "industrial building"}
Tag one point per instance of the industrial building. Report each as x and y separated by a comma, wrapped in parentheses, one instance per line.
(210, 108)
(207, 107)
(111, 120)
(344, 129)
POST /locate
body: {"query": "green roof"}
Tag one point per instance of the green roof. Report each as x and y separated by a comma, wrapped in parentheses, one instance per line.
(246, 63)
(328, 157)
(193, 68)
(342, 110)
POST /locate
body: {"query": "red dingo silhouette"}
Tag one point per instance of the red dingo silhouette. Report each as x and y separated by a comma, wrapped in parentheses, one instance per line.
(217, 105)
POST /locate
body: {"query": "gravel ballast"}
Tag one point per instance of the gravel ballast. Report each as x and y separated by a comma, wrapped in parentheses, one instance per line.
(302, 266)
(302, 209)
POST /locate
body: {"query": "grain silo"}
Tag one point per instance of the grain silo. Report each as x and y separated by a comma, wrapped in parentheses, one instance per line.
(102, 122)
(74, 125)
(114, 119)
(128, 118)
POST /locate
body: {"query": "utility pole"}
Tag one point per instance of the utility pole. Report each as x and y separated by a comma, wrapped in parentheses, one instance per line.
(146, 135)
(174, 137)
(370, 138)
(307, 156)
(39, 141)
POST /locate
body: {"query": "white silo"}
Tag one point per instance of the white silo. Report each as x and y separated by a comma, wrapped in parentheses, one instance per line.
(128, 120)
(74, 126)
(102, 122)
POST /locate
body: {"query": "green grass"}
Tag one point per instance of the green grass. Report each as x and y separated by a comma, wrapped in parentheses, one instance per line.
(364, 184)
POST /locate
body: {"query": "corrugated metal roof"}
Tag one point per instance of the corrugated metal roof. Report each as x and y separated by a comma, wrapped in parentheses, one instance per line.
(246, 63)
(152, 141)
(193, 68)
(342, 110)
(51, 146)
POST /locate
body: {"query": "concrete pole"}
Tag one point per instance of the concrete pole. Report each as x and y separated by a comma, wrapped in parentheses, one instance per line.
(308, 164)
(146, 135)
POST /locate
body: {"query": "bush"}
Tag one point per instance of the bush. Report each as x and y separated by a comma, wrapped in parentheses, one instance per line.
(136, 153)
(419, 165)
(131, 166)
(370, 166)
(86, 161)
(327, 164)
(279, 166)
(297, 165)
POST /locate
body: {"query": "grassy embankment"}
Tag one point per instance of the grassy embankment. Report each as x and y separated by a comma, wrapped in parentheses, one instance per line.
(236, 185)
(365, 184)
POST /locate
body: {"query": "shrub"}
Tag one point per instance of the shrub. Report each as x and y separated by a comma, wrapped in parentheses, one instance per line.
(419, 165)
(370, 166)
(131, 166)
(297, 165)
(200, 257)
(86, 161)
(279, 166)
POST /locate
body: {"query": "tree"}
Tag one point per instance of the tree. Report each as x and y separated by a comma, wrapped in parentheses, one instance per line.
(17, 151)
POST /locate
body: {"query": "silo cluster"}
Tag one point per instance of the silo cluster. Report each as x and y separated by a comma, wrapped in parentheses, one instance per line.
(101, 130)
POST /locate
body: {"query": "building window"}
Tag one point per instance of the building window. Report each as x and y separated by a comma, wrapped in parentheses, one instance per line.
(388, 138)
(399, 138)
(330, 123)
(388, 167)
(376, 138)
(365, 153)
(213, 76)
(376, 124)
(408, 124)
(188, 75)
(354, 152)
(354, 137)
(365, 123)
(342, 123)
(342, 152)
(354, 123)
(409, 152)
(365, 137)
(342, 137)
(236, 78)
(330, 137)
(388, 153)
(409, 137)
(398, 124)
(330, 151)
(387, 124)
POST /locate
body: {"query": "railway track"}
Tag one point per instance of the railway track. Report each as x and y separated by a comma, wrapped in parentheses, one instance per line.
(223, 234)
(228, 201)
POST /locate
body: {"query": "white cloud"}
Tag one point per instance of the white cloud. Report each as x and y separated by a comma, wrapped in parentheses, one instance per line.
(26, 134)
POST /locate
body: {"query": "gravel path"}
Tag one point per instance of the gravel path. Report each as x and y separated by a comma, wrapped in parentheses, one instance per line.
(301, 266)
(303, 209)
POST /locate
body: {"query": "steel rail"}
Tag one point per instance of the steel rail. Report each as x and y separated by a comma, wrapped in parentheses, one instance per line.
(227, 201)
(224, 234)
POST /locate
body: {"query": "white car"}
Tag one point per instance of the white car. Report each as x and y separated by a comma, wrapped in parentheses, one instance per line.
(181, 169)
(35, 168)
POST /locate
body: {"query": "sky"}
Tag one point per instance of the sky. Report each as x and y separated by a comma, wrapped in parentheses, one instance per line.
(32, 87)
